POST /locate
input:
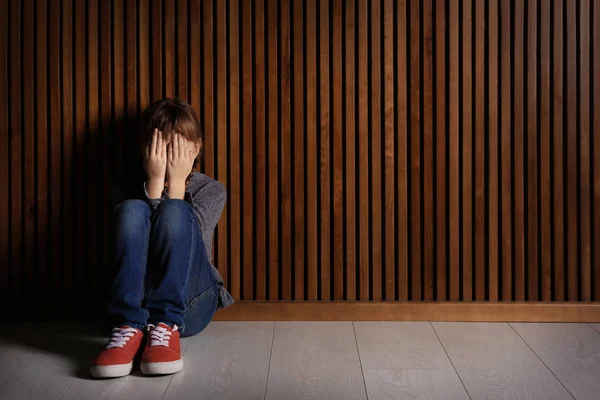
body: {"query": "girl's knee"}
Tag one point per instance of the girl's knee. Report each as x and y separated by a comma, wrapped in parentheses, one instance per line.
(132, 213)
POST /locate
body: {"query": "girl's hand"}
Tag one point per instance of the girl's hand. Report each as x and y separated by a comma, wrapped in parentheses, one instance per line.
(180, 161)
(155, 158)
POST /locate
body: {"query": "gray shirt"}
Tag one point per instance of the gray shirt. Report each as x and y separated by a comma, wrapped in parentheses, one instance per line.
(207, 196)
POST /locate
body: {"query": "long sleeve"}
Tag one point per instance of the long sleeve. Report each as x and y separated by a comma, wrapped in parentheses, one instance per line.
(208, 205)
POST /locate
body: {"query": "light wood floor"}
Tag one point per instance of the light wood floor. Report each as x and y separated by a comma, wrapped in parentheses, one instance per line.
(320, 360)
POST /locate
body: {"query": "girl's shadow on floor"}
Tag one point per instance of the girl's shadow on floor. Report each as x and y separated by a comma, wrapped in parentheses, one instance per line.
(77, 343)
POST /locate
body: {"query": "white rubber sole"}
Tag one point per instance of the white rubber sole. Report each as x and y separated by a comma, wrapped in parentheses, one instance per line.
(161, 368)
(111, 371)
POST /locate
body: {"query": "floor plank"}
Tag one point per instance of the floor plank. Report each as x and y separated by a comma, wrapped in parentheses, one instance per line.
(117, 389)
(400, 345)
(315, 360)
(596, 326)
(571, 351)
(45, 359)
(383, 384)
(228, 360)
(494, 362)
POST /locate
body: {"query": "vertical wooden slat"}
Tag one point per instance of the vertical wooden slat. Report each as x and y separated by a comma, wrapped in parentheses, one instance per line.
(558, 138)
(273, 149)
(104, 146)
(350, 136)
(493, 163)
(428, 156)
(325, 132)
(531, 179)
(467, 151)
(132, 66)
(479, 136)
(92, 151)
(311, 147)
(286, 153)
(144, 54)
(67, 150)
(41, 155)
(545, 163)
(221, 136)
(571, 143)
(119, 87)
(505, 150)
(194, 56)
(260, 113)
(298, 148)
(440, 153)
(375, 139)
(402, 152)
(518, 155)
(415, 150)
(233, 163)
(389, 220)
(157, 49)
(80, 188)
(338, 166)
(596, 154)
(169, 48)
(208, 96)
(248, 163)
(454, 150)
(5, 228)
(363, 154)
(183, 52)
(29, 213)
(584, 148)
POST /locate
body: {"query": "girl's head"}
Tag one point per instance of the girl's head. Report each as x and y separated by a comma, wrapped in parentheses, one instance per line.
(171, 116)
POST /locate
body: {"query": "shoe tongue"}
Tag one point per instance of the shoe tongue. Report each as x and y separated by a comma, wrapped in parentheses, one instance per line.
(163, 325)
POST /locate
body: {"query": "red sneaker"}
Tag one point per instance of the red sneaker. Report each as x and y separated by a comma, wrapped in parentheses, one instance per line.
(162, 354)
(117, 358)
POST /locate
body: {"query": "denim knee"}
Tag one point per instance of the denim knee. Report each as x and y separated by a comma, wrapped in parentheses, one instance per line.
(130, 215)
(172, 217)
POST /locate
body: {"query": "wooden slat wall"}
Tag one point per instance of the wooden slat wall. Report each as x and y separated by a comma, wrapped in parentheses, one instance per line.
(444, 150)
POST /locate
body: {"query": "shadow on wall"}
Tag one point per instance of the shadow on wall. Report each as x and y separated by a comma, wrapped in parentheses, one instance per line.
(62, 191)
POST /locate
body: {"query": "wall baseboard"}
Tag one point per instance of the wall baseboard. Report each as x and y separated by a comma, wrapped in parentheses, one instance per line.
(410, 311)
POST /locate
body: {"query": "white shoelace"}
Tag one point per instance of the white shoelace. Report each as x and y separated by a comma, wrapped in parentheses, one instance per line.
(120, 337)
(160, 336)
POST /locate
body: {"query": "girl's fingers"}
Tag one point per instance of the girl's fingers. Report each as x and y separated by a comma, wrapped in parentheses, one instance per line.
(170, 150)
(153, 143)
(176, 149)
(159, 145)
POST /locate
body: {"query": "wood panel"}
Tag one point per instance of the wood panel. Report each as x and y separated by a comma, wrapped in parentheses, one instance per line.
(371, 150)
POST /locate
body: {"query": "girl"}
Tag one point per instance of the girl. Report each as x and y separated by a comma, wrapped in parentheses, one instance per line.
(165, 285)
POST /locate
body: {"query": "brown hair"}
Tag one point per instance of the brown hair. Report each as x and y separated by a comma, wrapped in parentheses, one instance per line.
(170, 116)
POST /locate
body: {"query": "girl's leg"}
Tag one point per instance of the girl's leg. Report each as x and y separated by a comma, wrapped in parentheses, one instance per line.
(132, 230)
(180, 270)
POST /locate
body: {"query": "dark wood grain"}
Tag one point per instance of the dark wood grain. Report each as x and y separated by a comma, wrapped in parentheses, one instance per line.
(156, 32)
(91, 153)
(505, 143)
(585, 276)
(350, 91)
(441, 136)
(5, 227)
(415, 152)
(389, 151)
(183, 53)
(596, 159)
(311, 148)
(557, 161)
(493, 143)
(467, 151)
(233, 163)
(376, 145)
(531, 156)
(246, 147)
(479, 235)
(170, 49)
(363, 151)
(545, 194)
(453, 153)
(285, 151)
(273, 149)
(428, 156)
(518, 151)
(260, 189)
(571, 175)
(338, 166)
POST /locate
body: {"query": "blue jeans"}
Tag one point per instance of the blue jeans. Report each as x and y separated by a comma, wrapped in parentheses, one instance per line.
(162, 270)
